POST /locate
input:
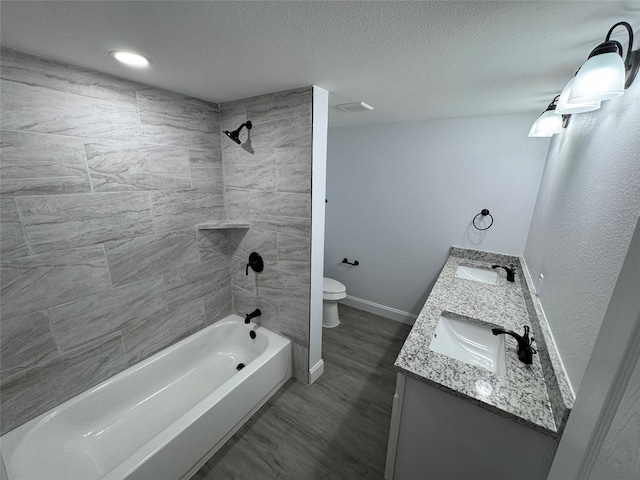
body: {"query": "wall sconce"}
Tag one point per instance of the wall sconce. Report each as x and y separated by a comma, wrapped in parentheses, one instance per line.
(605, 75)
(566, 108)
(548, 124)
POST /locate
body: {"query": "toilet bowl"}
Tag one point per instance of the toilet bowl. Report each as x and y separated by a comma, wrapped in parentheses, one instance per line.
(333, 291)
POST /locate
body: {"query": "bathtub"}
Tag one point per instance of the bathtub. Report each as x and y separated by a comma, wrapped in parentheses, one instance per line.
(162, 418)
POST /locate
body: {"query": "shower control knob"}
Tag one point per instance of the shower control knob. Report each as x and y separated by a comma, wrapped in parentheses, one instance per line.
(255, 262)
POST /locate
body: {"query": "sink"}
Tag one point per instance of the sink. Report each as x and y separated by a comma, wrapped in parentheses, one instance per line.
(481, 275)
(469, 342)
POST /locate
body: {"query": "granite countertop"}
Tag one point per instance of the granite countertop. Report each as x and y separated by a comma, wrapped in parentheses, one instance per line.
(523, 394)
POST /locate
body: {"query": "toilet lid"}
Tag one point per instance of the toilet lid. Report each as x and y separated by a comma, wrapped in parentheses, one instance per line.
(333, 286)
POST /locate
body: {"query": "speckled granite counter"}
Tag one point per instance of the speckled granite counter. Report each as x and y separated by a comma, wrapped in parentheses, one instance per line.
(530, 394)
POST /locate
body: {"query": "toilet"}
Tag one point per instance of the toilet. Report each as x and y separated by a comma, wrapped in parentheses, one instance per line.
(333, 291)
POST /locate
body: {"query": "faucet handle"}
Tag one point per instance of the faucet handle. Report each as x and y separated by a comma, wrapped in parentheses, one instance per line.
(255, 262)
(526, 335)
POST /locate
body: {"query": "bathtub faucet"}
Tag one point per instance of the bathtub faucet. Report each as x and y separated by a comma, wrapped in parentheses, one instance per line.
(249, 316)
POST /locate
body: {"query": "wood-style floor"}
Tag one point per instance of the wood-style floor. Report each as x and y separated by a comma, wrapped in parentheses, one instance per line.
(335, 429)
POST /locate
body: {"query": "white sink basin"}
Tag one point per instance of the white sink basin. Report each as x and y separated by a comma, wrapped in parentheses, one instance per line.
(470, 342)
(481, 275)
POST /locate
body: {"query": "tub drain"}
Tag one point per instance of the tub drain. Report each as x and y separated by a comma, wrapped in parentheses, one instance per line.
(240, 366)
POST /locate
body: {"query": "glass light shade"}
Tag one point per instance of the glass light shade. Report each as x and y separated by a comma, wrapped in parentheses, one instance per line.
(532, 132)
(547, 125)
(600, 78)
(130, 58)
(566, 108)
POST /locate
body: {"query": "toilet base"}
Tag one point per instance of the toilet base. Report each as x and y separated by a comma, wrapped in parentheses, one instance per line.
(330, 317)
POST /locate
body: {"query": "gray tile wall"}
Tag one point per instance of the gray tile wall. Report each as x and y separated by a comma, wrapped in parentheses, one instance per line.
(268, 183)
(102, 181)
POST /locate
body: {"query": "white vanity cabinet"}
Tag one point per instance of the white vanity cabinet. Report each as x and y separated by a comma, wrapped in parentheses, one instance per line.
(435, 435)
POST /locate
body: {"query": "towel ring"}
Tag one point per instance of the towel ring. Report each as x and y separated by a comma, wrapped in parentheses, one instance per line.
(484, 213)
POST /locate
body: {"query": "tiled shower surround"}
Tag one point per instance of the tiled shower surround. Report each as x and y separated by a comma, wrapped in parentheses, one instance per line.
(102, 183)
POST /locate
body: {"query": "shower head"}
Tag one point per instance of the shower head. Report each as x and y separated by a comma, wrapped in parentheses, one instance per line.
(235, 135)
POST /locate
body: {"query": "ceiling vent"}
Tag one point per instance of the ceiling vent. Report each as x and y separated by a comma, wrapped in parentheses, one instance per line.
(355, 107)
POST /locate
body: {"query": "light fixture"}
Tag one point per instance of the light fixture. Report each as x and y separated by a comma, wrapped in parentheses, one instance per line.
(131, 59)
(605, 75)
(566, 108)
(548, 124)
(354, 107)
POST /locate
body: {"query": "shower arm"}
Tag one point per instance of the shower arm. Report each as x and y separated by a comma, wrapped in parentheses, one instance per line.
(237, 131)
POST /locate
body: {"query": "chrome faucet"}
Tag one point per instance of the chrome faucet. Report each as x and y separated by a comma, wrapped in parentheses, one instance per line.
(511, 271)
(525, 350)
(249, 316)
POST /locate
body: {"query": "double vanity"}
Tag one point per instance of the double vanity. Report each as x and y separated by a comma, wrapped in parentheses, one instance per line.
(465, 405)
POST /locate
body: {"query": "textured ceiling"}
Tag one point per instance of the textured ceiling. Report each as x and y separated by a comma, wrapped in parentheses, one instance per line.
(410, 60)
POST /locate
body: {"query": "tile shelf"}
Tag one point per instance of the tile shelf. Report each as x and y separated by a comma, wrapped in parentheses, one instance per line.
(220, 225)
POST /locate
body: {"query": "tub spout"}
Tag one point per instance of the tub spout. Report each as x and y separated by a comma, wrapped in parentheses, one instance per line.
(249, 316)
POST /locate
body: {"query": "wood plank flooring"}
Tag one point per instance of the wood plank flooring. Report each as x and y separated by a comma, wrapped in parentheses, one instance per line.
(336, 428)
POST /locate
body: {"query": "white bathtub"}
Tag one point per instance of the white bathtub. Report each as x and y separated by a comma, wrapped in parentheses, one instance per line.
(160, 419)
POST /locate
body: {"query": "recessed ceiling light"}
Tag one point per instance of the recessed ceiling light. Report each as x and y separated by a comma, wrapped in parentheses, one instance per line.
(355, 107)
(131, 59)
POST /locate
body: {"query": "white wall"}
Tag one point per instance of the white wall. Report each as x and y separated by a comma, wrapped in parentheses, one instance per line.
(601, 438)
(318, 186)
(401, 195)
(586, 211)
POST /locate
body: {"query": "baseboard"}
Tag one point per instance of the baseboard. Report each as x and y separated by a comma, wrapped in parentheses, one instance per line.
(382, 310)
(316, 371)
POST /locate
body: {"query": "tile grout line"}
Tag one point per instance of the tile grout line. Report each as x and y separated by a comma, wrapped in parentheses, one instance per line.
(94, 138)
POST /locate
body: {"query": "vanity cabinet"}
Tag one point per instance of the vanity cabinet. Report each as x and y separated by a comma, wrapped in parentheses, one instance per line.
(436, 435)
